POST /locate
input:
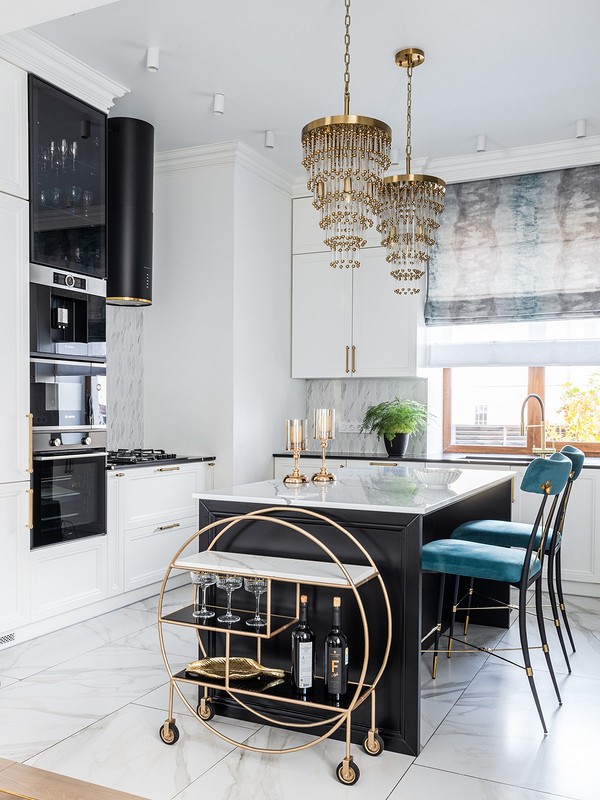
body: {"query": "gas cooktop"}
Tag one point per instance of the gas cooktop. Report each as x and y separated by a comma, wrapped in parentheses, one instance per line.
(139, 456)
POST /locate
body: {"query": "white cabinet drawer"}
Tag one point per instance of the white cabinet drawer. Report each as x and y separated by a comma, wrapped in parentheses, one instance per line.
(159, 494)
(67, 576)
(149, 550)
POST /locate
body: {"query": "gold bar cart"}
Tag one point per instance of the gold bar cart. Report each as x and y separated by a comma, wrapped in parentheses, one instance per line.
(331, 574)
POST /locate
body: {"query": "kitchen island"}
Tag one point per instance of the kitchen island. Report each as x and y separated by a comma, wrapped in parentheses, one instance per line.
(391, 513)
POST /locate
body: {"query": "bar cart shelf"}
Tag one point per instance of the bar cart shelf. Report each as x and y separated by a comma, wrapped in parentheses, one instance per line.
(331, 574)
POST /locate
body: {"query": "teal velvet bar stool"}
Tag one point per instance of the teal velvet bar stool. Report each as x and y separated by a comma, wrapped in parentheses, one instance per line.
(516, 534)
(518, 567)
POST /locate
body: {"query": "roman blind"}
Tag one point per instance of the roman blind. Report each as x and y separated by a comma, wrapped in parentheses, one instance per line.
(520, 248)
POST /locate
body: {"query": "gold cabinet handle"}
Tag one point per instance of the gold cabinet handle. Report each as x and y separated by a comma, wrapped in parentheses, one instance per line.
(30, 523)
(353, 358)
(168, 527)
(211, 464)
(383, 464)
(347, 359)
(119, 474)
(30, 467)
(167, 469)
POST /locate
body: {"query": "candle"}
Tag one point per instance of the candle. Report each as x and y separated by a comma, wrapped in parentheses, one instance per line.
(295, 434)
(324, 423)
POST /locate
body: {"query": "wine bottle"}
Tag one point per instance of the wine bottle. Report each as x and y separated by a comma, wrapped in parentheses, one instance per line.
(303, 652)
(336, 656)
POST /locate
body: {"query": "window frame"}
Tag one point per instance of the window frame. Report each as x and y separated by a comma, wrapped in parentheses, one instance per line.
(535, 384)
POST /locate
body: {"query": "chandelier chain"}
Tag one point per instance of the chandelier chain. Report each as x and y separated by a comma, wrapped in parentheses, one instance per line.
(409, 72)
(347, 60)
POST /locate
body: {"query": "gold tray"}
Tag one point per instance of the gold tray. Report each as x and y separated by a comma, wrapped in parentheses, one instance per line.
(239, 668)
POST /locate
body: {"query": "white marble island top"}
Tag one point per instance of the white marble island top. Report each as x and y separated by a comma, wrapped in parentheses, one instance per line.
(392, 489)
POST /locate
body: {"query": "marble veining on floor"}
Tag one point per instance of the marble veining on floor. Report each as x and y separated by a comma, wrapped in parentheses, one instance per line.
(87, 702)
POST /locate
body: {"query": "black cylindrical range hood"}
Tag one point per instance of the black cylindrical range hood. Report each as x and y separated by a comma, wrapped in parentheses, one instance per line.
(130, 155)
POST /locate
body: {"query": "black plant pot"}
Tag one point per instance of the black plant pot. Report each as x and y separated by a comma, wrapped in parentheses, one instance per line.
(397, 447)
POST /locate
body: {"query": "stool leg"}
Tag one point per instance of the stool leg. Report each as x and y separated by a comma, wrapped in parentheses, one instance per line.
(438, 629)
(526, 658)
(469, 599)
(539, 612)
(554, 605)
(561, 599)
(453, 614)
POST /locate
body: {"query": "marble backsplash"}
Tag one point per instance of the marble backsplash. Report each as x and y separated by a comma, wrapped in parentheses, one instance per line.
(125, 374)
(351, 398)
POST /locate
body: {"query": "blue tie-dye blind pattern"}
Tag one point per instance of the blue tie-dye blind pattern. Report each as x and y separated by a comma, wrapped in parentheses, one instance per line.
(518, 248)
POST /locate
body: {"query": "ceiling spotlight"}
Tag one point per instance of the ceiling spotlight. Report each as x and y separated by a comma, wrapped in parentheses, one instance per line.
(481, 143)
(152, 56)
(218, 104)
(581, 129)
(269, 139)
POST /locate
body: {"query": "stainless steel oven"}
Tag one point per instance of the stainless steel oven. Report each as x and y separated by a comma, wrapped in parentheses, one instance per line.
(69, 495)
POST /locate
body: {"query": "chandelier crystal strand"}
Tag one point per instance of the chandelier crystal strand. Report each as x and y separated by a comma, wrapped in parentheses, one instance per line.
(410, 205)
(346, 157)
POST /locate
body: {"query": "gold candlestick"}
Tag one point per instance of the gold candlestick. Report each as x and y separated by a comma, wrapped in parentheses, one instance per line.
(295, 440)
(324, 429)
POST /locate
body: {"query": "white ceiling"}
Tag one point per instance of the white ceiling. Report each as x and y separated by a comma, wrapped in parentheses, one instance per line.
(520, 71)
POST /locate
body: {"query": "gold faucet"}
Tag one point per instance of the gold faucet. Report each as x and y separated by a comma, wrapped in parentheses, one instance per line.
(542, 450)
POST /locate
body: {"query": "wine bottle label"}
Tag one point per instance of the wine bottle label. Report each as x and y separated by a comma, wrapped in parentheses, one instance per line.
(334, 670)
(346, 656)
(305, 664)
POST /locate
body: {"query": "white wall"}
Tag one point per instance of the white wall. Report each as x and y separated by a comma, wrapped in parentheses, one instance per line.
(217, 338)
(264, 394)
(188, 330)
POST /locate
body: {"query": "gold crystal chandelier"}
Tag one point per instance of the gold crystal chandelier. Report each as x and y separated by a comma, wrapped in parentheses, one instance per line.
(410, 204)
(346, 157)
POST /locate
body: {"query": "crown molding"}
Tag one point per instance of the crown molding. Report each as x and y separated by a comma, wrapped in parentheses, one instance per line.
(501, 163)
(209, 156)
(33, 53)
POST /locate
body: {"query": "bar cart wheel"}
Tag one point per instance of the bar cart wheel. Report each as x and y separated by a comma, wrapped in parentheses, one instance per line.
(169, 732)
(347, 772)
(205, 710)
(373, 744)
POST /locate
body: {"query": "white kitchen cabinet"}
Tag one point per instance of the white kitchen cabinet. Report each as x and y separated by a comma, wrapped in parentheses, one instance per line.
(14, 356)
(307, 235)
(151, 513)
(14, 560)
(13, 130)
(68, 575)
(350, 323)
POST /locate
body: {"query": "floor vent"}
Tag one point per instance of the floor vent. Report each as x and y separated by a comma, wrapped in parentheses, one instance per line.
(8, 637)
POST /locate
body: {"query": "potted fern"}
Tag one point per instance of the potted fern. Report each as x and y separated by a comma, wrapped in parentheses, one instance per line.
(395, 420)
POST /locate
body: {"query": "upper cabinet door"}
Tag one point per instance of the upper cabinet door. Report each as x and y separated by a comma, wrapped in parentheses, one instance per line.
(68, 181)
(307, 235)
(13, 130)
(321, 318)
(14, 355)
(385, 325)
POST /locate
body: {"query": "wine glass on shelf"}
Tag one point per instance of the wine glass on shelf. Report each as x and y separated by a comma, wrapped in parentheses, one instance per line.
(74, 195)
(229, 583)
(257, 587)
(64, 151)
(202, 580)
(73, 153)
(86, 201)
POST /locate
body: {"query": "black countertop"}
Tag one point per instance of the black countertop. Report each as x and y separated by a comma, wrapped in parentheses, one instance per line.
(448, 458)
(160, 462)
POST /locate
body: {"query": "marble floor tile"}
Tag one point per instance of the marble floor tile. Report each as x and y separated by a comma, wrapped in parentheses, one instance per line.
(244, 775)
(421, 782)
(493, 733)
(28, 658)
(42, 710)
(180, 642)
(159, 698)
(173, 599)
(123, 751)
(5, 681)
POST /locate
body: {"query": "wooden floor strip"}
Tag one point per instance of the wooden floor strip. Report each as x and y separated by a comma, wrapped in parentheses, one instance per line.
(23, 781)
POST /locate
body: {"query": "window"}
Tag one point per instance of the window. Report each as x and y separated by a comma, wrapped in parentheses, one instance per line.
(482, 408)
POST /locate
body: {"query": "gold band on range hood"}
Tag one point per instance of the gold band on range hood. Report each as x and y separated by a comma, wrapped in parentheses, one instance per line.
(129, 301)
